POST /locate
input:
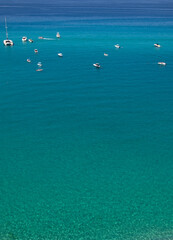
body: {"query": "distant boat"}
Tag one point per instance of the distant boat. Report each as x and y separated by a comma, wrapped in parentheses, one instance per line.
(58, 35)
(28, 60)
(60, 54)
(105, 54)
(30, 40)
(97, 65)
(24, 39)
(39, 64)
(157, 45)
(35, 50)
(7, 42)
(162, 63)
(117, 46)
(40, 37)
(39, 70)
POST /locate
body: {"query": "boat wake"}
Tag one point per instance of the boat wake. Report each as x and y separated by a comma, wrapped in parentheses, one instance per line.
(49, 39)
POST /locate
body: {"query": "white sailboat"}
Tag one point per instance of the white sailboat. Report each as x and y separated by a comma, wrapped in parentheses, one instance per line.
(7, 42)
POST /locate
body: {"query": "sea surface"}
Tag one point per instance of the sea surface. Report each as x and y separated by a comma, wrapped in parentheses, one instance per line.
(85, 153)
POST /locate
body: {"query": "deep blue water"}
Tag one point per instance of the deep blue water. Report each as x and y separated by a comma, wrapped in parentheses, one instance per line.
(86, 153)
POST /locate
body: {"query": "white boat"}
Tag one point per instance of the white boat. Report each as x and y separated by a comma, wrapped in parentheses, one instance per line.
(7, 42)
(60, 54)
(162, 63)
(117, 46)
(39, 64)
(24, 39)
(30, 40)
(28, 60)
(105, 54)
(35, 50)
(157, 45)
(58, 35)
(97, 65)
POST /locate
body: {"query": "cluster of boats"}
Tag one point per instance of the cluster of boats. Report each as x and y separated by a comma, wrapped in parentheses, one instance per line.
(8, 42)
(157, 45)
(25, 39)
(39, 64)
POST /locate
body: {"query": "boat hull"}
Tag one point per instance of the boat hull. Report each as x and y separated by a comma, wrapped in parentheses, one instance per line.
(24, 39)
(8, 43)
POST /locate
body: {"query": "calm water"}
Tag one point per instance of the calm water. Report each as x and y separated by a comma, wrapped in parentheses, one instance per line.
(86, 153)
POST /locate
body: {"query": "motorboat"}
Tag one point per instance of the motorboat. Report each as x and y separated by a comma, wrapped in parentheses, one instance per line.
(60, 54)
(39, 64)
(30, 40)
(157, 45)
(28, 60)
(117, 46)
(58, 35)
(97, 65)
(40, 37)
(7, 42)
(39, 70)
(105, 54)
(24, 39)
(162, 63)
(36, 50)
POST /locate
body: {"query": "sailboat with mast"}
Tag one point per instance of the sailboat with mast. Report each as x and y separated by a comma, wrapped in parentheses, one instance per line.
(7, 42)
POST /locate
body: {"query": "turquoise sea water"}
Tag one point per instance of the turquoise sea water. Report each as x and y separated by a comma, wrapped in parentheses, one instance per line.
(86, 153)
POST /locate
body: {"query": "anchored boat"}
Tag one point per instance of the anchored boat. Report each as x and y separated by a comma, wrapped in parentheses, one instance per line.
(162, 63)
(60, 54)
(7, 42)
(24, 39)
(157, 45)
(97, 65)
(39, 64)
(58, 35)
(117, 46)
(30, 40)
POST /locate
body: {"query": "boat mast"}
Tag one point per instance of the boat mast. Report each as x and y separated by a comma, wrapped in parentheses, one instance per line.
(6, 28)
